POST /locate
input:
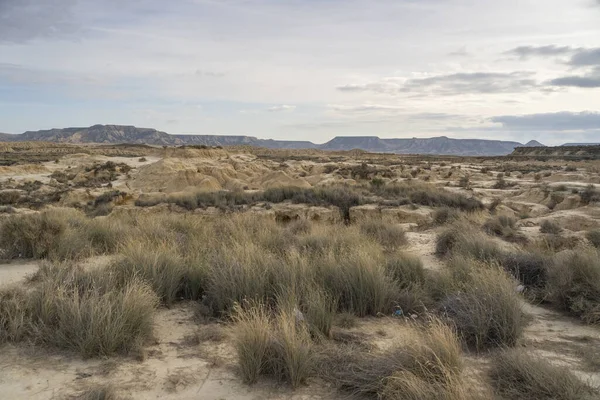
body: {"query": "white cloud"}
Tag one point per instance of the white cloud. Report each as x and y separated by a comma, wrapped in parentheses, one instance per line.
(282, 107)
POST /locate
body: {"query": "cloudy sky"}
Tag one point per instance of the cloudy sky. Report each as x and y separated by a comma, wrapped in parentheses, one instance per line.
(305, 69)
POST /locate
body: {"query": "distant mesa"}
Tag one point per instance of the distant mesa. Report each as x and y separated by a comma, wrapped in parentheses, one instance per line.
(115, 134)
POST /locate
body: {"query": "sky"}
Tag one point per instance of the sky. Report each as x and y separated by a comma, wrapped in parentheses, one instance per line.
(305, 69)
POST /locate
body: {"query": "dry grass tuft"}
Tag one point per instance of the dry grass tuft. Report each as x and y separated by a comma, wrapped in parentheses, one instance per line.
(252, 339)
(81, 311)
(574, 283)
(97, 392)
(517, 375)
(389, 235)
(277, 345)
(483, 305)
(504, 227)
(428, 363)
(594, 237)
(550, 227)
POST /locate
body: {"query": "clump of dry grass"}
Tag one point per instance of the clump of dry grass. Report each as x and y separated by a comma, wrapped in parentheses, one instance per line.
(550, 227)
(252, 337)
(445, 215)
(594, 237)
(504, 227)
(97, 392)
(517, 375)
(464, 239)
(83, 311)
(14, 314)
(574, 283)
(290, 355)
(278, 345)
(319, 309)
(389, 235)
(161, 267)
(345, 320)
(60, 234)
(31, 235)
(530, 268)
(483, 305)
(428, 363)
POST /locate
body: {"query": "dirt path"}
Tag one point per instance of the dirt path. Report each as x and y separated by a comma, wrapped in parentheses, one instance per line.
(16, 271)
(422, 244)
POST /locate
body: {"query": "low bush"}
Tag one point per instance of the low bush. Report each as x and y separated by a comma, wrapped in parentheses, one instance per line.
(574, 283)
(445, 215)
(594, 237)
(504, 227)
(531, 269)
(483, 305)
(518, 375)
(590, 195)
(551, 227)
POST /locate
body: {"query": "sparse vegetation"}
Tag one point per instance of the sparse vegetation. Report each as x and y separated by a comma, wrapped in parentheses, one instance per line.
(301, 292)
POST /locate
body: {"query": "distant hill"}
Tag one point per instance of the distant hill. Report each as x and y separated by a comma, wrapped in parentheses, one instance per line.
(566, 152)
(113, 134)
(534, 143)
(579, 144)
